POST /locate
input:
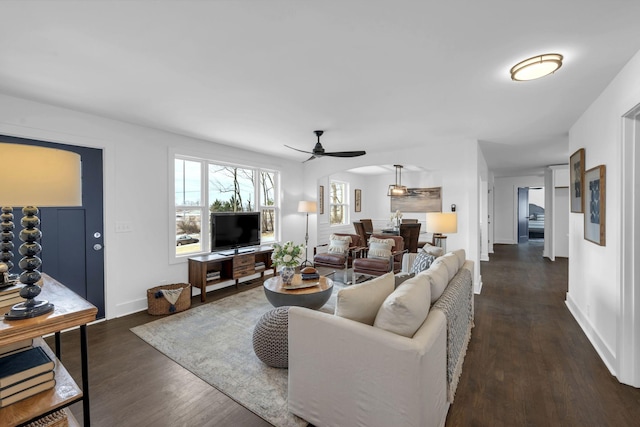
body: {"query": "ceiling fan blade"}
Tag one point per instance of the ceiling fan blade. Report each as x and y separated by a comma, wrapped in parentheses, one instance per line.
(345, 153)
(310, 158)
(302, 151)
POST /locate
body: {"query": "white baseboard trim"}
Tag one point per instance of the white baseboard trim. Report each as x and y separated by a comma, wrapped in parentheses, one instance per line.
(478, 286)
(598, 344)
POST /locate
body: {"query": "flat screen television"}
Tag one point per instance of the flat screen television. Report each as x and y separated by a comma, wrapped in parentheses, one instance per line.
(233, 230)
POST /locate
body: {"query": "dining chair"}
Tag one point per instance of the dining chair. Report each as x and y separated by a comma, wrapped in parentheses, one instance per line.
(360, 231)
(410, 234)
(409, 221)
(368, 225)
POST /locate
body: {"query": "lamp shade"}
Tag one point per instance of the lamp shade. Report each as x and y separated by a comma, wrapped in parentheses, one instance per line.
(39, 176)
(442, 222)
(307, 206)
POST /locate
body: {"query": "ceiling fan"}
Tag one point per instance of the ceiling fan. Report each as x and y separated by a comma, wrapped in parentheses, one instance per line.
(318, 151)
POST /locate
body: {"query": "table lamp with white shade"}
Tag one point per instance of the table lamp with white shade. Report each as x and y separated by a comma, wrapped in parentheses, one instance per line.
(34, 175)
(439, 223)
(307, 207)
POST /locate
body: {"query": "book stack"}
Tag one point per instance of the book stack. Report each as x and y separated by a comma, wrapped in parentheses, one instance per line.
(25, 370)
(9, 296)
(213, 275)
(259, 265)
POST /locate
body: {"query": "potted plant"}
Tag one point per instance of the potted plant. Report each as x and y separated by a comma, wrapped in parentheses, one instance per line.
(288, 256)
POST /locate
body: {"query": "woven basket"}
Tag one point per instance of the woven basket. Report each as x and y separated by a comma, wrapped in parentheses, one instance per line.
(158, 304)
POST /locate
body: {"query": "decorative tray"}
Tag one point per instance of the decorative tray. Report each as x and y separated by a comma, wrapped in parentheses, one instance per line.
(302, 285)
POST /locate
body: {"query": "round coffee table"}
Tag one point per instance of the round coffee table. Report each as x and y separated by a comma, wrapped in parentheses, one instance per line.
(311, 294)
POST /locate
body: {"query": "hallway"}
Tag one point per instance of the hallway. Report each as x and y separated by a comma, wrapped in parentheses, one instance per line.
(529, 363)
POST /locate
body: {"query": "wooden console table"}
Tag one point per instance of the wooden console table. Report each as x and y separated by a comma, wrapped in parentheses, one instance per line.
(70, 311)
(227, 267)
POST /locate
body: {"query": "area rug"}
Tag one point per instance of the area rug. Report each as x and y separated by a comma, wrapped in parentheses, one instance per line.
(214, 341)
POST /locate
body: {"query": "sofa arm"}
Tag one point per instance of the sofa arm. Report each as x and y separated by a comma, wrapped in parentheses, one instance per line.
(345, 373)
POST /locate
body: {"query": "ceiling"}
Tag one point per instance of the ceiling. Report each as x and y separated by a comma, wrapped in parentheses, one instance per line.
(372, 74)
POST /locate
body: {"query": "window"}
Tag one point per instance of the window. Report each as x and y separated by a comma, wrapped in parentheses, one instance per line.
(202, 187)
(338, 203)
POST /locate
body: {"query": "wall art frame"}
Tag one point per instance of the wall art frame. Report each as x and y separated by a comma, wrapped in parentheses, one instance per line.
(595, 205)
(418, 200)
(321, 199)
(576, 179)
(357, 200)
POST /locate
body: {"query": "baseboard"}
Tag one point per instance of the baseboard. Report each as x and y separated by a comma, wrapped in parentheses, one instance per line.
(478, 287)
(598, 344)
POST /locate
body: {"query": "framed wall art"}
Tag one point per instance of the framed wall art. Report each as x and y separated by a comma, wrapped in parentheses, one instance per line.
(321, 199)
(576, 179)
(358, 200)
(594, 205)
(418, 200)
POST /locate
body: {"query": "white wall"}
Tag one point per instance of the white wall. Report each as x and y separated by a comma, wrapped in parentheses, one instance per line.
(505, 199)
(136, 176)
(595, 271)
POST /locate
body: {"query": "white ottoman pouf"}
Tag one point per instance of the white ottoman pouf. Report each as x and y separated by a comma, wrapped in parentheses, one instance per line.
(270, 337)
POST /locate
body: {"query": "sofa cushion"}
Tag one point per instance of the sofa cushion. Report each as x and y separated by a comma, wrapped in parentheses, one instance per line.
(436, 251)
(361, 302)
(400, 278)
(438, 276)
(338, 244)
(462, 257)
(450, 260)
(380, 248)
(404, 310)
(422, 262)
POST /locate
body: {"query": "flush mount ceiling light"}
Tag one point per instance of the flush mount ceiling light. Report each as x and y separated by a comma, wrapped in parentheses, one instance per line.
(536, 67)
(398, 189)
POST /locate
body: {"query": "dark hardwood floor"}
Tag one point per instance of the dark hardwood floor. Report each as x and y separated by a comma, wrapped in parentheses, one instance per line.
(528, 363)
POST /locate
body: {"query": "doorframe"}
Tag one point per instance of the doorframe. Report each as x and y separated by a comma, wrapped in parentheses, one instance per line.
(628, 342)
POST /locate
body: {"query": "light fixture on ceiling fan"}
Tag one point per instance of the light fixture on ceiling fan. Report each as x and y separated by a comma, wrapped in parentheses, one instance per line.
(398, 189)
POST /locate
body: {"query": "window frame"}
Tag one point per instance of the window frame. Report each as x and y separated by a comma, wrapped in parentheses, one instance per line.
(205, 204)
(346, 204)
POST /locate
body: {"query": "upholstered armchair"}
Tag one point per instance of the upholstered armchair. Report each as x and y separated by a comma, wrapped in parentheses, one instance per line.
(324, 256)
(375, 263)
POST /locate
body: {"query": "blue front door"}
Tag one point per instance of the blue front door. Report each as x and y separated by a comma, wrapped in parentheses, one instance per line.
(72, 238)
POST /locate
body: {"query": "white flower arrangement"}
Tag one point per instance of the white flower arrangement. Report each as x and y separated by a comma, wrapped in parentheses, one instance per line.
(396, 217)
(287, 255)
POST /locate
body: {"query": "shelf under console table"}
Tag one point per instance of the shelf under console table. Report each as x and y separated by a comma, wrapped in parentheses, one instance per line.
(70, 310)
(218, 267)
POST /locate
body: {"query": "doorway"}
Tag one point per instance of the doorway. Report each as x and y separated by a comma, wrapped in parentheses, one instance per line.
(72, 238)
(530, 214)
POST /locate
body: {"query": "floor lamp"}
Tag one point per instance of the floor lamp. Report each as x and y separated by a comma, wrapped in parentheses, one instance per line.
(34, 175)
(307, 207)
(439, 223)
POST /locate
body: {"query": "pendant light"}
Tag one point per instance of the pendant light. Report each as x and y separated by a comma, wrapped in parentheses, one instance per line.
(397, 189)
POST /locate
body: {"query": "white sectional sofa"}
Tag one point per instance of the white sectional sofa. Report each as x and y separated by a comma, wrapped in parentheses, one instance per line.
(385, 358)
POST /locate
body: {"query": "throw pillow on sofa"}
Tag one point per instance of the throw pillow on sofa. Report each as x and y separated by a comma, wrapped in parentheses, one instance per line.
(436, 251)
(406, 308)
(380, 248)
(422, 262)
(361, 302)
(338, 244)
